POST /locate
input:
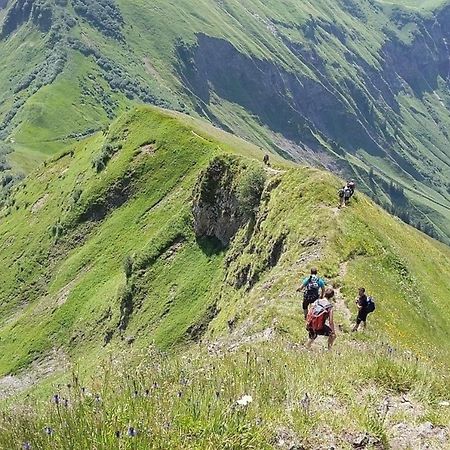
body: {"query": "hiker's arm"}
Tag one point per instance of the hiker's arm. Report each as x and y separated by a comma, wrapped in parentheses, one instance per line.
(301, 287)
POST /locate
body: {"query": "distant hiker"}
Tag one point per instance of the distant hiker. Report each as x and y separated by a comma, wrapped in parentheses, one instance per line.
(313, 287)
(266, 160)
(319, 314)
(365, 306)
(346, 193)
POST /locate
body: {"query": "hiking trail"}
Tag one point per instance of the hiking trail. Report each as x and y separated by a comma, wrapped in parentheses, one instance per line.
(339, 298)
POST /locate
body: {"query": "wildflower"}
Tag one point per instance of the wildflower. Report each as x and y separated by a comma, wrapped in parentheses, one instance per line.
(56, 399)
(147, 392)
(66, 403)
(305, 401)
(49, 431)
(155, 385)
(117, 434)
(179, 394)
(97, 398)
(132, 432)
(244, 400)
(83, 390)
(26, 446)
(217, 394)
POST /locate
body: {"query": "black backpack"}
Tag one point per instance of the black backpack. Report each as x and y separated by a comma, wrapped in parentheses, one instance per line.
(312, 288)
(370, 304)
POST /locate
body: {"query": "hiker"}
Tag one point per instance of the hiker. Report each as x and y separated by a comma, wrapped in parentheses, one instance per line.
(313, 287)
(266, 160)
(365, 306)
(346, 193)
(319, 314)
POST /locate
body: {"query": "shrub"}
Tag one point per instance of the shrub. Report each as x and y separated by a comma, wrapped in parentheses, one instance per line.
(128, 266)
(250, 188)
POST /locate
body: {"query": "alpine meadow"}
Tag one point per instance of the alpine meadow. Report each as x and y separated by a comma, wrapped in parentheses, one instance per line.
(173, 185)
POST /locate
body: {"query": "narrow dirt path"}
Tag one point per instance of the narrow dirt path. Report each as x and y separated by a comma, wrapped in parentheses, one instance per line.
(272, 171)
(339, 298)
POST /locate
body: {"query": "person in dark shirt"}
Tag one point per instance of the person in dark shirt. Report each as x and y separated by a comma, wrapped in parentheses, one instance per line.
(362, 304)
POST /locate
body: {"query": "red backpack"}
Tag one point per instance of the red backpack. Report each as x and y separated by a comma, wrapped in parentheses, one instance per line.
(317, 315)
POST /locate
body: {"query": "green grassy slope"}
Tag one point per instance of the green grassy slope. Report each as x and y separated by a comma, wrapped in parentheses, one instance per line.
(64, 289)
(367, 89)
(64, 245)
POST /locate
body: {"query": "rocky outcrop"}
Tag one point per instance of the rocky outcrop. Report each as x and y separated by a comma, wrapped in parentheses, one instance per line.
(39, 11)
(225, 198)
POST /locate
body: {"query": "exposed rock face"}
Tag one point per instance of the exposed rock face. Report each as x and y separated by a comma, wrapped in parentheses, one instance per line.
(218, 207)
(39, 11)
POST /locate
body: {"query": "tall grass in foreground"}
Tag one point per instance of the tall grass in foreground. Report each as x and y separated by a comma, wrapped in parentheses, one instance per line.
(191, 401)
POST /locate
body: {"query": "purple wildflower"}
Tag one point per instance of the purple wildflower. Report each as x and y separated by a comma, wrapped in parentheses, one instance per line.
(117, 434)
(132, 432)
(26, 446)
(56, 399)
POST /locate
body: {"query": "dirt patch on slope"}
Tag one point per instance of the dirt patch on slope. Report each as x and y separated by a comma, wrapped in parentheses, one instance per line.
(56, 362)
(39, 204)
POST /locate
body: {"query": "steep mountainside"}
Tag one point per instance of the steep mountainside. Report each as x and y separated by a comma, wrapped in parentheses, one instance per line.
(165, 231)
(358, 86)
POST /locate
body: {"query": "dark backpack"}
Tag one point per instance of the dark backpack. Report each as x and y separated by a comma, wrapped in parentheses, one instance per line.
(348, 192)
(312, 288)
(317, 316)
(370, 304)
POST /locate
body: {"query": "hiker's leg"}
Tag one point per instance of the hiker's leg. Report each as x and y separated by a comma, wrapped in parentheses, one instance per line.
(311, 338)
(364, 324)
(331, 339)
(305, 306)
(359, 319)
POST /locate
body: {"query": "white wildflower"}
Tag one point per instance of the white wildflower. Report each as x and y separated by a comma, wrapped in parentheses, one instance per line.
(245, 400)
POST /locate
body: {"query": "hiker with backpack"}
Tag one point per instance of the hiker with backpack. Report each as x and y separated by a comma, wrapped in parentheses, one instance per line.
(319, 321)
(346, 193)
(365, 305)
(313, 287)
